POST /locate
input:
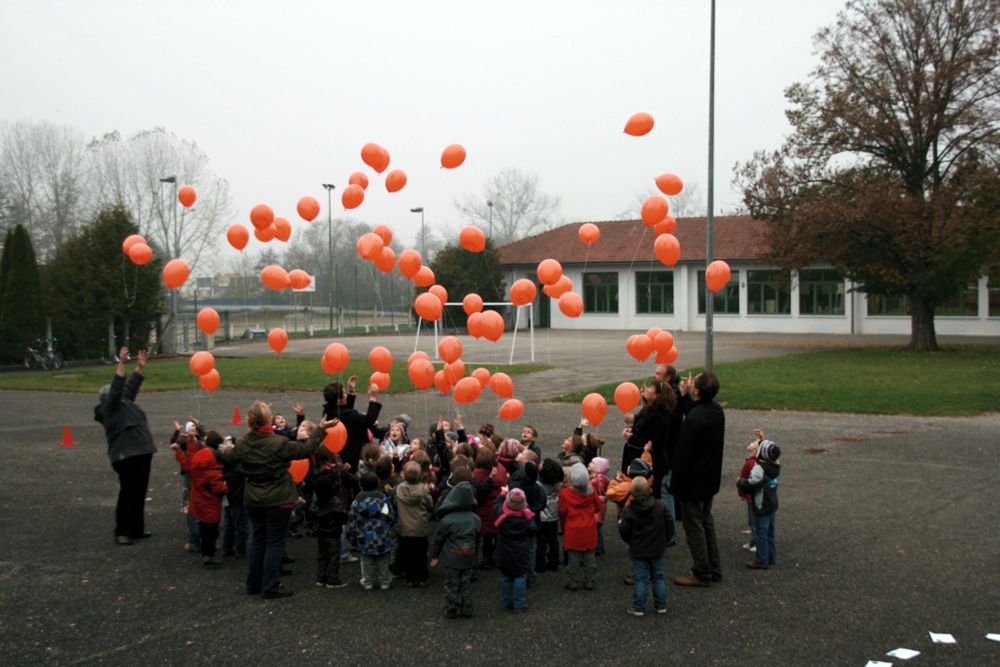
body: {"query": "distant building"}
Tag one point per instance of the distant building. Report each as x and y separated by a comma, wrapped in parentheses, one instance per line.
(624, 286)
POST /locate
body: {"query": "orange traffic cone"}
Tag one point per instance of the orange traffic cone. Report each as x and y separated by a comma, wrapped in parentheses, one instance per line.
(67, 440)
(236, 416)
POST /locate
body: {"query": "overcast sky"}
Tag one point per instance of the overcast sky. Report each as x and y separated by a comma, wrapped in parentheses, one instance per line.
(283, 95)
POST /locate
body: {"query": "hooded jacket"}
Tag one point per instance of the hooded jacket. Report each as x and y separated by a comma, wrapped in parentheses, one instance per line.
(454, 540)
(762, 486)
(512, 555)
(125, 423)
(207, 487)
(578, 508)
(646, 526)
(413, 504)
(265, 458)
(371, 523)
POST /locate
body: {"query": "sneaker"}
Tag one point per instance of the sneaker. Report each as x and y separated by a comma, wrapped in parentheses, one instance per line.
(320, 583)
(368, 589)
(633, 612)
(748, 545)
(350, 558)
(661, 611)
(385, 588)
(753, 550)
(336, 583)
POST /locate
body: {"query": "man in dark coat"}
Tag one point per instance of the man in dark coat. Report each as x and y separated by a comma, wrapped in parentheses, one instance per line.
(697, 474)
(340, 405)
(130, 447)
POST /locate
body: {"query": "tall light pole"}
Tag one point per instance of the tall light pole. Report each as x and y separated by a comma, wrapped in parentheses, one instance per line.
(423, 245)
(490, 204)
(710, 231)
(329, 229)
(177, 254)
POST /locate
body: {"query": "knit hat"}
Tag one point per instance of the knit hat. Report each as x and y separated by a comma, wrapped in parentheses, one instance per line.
(579, 478)
(451, 435)
(639, 468)
(602, 465)
(769, 451)
(516, 500)
(487, 430)
(403, 419)
(530, 470)
(510, 449)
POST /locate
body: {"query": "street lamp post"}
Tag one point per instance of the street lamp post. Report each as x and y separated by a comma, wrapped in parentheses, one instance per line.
(710, 222)
(329, 228)
(490, 204)
(423, 245)
(177, 254)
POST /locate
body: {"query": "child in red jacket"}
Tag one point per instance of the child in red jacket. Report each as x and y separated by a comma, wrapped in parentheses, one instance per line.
(578, 508)
(207, 489)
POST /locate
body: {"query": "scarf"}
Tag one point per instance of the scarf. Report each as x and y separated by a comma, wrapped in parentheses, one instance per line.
(526, 513)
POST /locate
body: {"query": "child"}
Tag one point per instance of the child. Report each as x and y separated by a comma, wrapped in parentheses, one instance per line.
(551, 478)
(578, 507)
(762, 485)
(413, 505)
(620, 490)
(646, 526)
(515, 527)
(395, 444)
(328, 518)
(207, 489)
(598, 469)
(529, 438)
(572, 448)
(507, 455)
(526, 479)
(237, 526)
(488, 478)
(454, 542)
(185, 443)
(371, 528)
(744, 473)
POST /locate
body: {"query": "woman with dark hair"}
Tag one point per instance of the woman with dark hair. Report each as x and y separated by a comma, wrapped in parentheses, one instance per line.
(652, 424)
(269, 494)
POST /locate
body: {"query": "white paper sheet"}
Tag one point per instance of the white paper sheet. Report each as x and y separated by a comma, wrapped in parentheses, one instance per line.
(942, 638)
(993, 636)
(878, 663)
(903, 653)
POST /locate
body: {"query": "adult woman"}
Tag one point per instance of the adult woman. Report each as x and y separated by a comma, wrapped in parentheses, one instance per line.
(652, 424)
(269, 494)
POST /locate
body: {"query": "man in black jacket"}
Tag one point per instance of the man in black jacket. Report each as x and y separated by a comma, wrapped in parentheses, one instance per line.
(340, 405)
(697, 474)
(130, 447)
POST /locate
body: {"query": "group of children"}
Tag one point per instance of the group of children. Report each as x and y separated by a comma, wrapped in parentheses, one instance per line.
(466, 503)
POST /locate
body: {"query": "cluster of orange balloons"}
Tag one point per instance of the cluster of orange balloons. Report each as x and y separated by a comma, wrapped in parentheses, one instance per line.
(137, 249)
(335, 358)
(640, 346)
(203, 365)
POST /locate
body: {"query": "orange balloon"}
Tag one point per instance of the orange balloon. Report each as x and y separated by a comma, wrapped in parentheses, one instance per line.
(455, 371)
(238, 236)
(472, 238)
(502, 385)
(352, 196)
(370, 246)
(298, 470)
(669, 184)
(654, 210)
(277, 339)
(652, 331)
(639, 124)
(663, 342)
(140, 253)
(371, 154)
(409, 263)
(208, 321)
(283, 229)
(384, 164)
(186, 196)
(450, 349)
(563, 285)
(626, 396)
(421, 373)
(441, 382)
(265, 234)
(308, 208)
(261, 216)
(440, 292)
(131, 241)
(570, 304)
(201, 362)
(667, 249)
(428, 306)
(358, 178)
(424, 277)
(274, 277)
(475, 325)
(467, 390)
(639, 347)
(419, 354)
(176, 273)
(384, 233)
(717, 275)
(472, 303)
(492, 325)
(381, 359)
(549, 271)
(299, 279)
(511, 409)
(395, 180)
(452, 156)
(380, 380)
(483, 375)
(589, 233)
(523, 292)
(335, 438)
(668, 357)
(210, 380)
(666, 226)
(594, 408)
(386, 260)
(335, 358)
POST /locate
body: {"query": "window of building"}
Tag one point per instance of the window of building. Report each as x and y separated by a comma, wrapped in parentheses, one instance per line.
(879, 304)
(600, 292)
(994, 297)
(726, 301)
(654, 292)
(821, 292)
(964, 303)
(769, 293)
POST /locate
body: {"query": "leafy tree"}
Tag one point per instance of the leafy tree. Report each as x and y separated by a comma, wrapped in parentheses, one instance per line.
(518, 208)
(22, 314)
(890, 173)
(462, 272)
(91, 285)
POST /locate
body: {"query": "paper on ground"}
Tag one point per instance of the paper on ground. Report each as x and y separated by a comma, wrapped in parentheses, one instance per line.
(878, 663)
(903, 653)
(942, 638)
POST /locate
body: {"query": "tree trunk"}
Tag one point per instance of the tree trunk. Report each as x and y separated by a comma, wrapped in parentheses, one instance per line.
(922, 336)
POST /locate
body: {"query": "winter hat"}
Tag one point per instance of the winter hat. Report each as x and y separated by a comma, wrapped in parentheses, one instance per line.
(187, 426)
(579, 478)
(530, 470)
(403, 419)
(451, 435)
(602, 465)
(639, 468)
(485, 429)
(516, 501)
(510, 449)
(769, 451)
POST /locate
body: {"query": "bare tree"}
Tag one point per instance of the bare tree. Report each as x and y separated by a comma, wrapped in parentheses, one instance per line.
(511, 207)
